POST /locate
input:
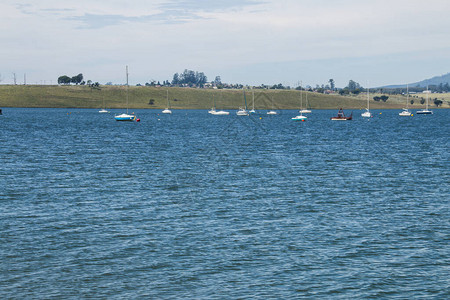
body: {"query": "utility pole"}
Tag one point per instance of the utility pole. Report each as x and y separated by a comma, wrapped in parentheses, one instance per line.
(24, 79)
(14, 76)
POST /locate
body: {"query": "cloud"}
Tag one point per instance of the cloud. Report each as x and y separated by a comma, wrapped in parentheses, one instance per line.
(170, 12)
(157, 38)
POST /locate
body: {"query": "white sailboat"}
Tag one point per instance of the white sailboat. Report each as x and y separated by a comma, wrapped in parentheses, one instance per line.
(214, 112)
(406, 112)
(213, 108)
(167, 110)
(252, 111)
(425, 111)
(243, 110)
(300, 117)
(103, 110)
(125, 116)
(303, 110)
(367, 113)
(272, 112)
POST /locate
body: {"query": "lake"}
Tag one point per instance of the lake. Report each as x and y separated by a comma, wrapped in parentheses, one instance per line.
(191, 205)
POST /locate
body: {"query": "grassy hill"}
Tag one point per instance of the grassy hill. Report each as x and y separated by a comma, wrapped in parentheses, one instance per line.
(181, 98)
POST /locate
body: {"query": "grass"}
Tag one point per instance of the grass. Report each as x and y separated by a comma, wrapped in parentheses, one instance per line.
(186, 98)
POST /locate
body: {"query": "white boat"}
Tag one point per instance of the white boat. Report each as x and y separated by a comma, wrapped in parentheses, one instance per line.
(367, 113)
(167, 110)
(126, 116)
(214, 112)
(272, 112)
(252, 111)
(299, 118)
(243, 110)
(103, 111)
(221, 113)
(303, 110)
(425, 111)
(406, 112)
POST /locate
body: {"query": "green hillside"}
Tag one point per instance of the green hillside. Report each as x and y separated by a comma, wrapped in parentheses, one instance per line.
(180, 98)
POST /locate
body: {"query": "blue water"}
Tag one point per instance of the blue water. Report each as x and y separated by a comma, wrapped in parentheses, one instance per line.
(223, 207)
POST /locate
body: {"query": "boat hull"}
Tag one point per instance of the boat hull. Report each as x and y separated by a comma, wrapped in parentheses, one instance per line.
(405, 113)
(242, 112)
(341, 119)
(341, 116)
(220, 113)
(366, 114)
(125, 117)
(424, 112)
(299, 118)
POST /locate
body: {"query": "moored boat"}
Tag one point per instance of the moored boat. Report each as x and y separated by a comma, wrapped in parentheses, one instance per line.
(341, 116)
(126, 116)
(299, 118)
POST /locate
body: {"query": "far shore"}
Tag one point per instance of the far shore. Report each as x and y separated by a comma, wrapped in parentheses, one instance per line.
(142, 97)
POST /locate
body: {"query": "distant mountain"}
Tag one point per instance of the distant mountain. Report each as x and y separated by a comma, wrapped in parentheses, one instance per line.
(424, 83)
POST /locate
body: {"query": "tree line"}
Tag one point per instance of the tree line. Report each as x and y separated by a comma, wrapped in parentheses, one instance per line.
(77, 80)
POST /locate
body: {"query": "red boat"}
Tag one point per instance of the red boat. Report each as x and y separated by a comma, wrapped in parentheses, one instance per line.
(341, 116)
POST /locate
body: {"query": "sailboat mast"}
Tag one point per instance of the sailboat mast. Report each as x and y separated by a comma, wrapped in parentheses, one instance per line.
(368, 97)
(301, 96)
(245, 100)
(126, 70)
(426, 105)
(407, 95)
(253, 96)
(167, 96)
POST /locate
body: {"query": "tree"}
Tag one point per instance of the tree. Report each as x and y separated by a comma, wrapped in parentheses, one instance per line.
(217, 81)
(77, 79)
(352, 85)
(64, 79)
(384, 98)
(437, 102)
(200, 78)
(332, 85)
(176, 79)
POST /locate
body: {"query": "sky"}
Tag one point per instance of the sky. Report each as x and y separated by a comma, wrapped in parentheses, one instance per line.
(375, 43)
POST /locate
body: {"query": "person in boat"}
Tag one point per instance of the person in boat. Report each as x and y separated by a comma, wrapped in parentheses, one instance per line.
(340, 113)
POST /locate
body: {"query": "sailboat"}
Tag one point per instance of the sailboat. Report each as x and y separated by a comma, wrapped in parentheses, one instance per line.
(406, 112)
(425, 111)
(367, 113)
(167, 110)
(126, 117)
(253, 106)
(213, 109)
(304, 110)
(272, 112)
(214, 112)
(243, 110)
(103, 110)
(300, 117)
